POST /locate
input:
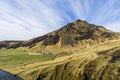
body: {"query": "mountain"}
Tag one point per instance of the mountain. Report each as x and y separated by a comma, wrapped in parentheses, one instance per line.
(78, 51)
(78, 33)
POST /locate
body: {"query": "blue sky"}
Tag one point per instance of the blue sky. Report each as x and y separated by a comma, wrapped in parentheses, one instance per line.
(25, 19)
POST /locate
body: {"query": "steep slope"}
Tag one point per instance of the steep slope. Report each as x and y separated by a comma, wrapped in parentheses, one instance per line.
(73, 34)
(101, 62)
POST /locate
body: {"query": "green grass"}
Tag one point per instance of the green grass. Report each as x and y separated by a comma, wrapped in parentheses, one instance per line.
(15, 58)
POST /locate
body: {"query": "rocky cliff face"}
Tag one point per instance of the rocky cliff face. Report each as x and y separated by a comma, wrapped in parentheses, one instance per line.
(69, 35)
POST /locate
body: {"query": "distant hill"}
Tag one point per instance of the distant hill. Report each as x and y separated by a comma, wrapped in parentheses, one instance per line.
(78, 33)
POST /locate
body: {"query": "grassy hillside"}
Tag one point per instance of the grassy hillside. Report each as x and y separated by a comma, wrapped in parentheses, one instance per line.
(100, 62)
(77, 51)
(73, 34)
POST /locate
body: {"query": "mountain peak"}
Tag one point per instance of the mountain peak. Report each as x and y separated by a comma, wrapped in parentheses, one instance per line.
(76, 24)
(76, 33)
(78, 20)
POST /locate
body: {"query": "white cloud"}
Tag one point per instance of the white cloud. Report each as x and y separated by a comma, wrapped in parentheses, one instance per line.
(25, 19)
(77, 8)
(114, 26)
(29, 23)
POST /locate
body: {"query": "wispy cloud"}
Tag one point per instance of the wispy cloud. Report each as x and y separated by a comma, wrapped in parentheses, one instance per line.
(114, 26)
(25, 19)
